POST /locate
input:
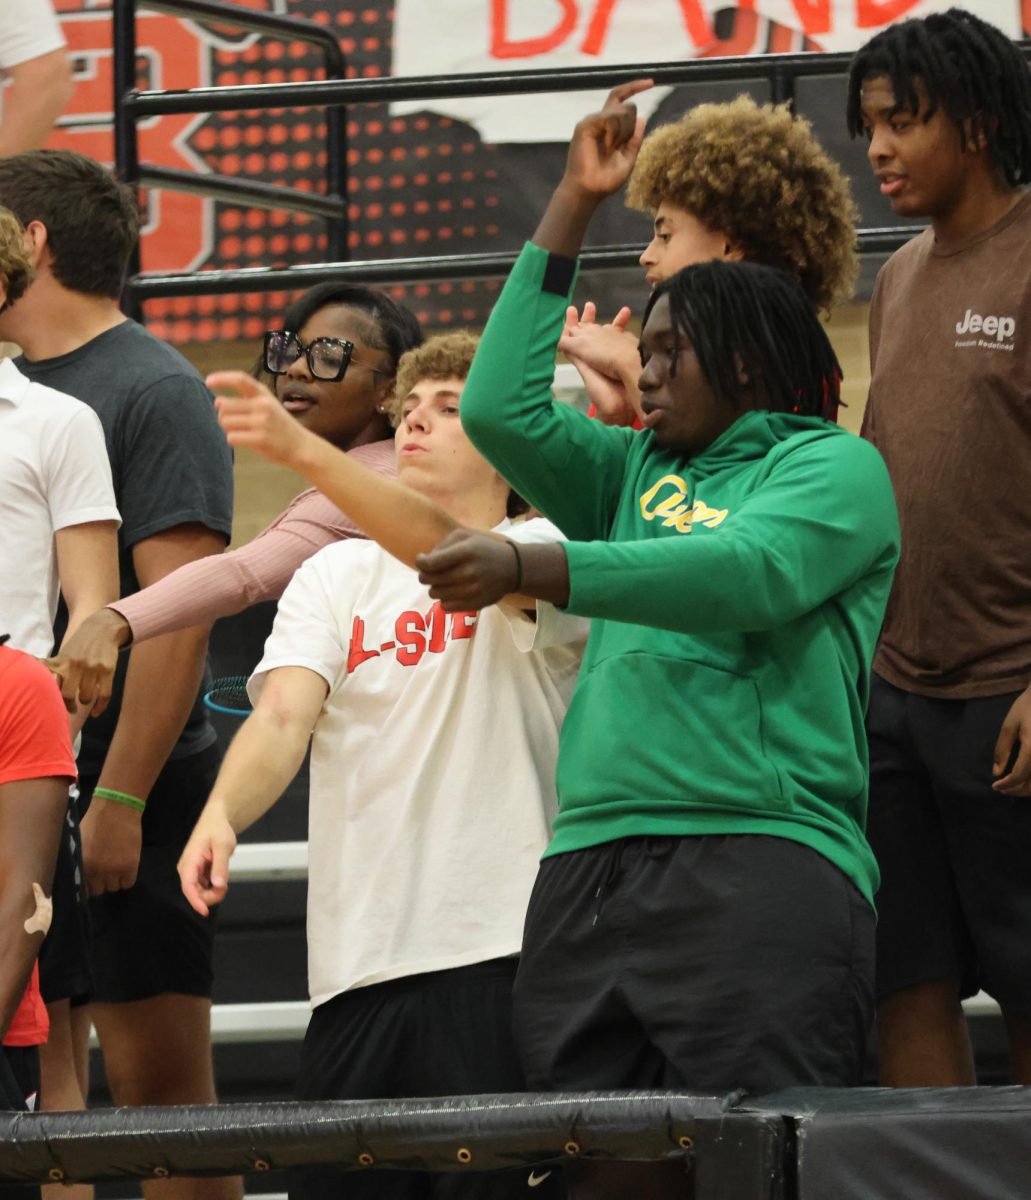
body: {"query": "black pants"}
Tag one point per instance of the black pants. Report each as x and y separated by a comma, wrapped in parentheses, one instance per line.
(147, 940)
(954, 903)
(703, 964)
(443, 1033)
(19, 1080)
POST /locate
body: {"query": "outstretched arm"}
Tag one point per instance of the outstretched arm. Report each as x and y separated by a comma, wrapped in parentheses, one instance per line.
(260, 763)
(781, 553)
(199, 592)
(404, 523)
(469, 570)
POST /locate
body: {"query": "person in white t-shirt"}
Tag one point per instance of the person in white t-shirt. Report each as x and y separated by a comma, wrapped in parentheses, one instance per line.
(60, 534)
(34, 64)
(60, 520)
(432, 769)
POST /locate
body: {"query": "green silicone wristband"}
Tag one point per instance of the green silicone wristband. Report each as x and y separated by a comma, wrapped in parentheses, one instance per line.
(120, 798)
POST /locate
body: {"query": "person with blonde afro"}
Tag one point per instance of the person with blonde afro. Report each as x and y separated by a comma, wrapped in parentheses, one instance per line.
(735, 181)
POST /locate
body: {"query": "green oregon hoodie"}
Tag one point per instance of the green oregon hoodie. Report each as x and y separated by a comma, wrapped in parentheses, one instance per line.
(736, 600)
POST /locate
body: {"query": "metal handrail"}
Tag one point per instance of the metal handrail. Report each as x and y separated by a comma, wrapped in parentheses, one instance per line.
(256, 21)
(286, 1020)
(237, 191)
(415, 270)
(779, 70)
(332, 206)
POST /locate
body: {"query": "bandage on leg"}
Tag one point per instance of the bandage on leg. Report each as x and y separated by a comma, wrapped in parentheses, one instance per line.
(40, 920)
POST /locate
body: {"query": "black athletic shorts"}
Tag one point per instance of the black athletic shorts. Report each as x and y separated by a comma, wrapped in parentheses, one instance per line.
(954, 904)
(704, 964)
(19, 1092)
(147, 940)
(64, 958)
(442, 1033)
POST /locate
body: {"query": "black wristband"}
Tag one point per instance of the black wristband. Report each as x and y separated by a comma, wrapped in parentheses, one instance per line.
(519, 566)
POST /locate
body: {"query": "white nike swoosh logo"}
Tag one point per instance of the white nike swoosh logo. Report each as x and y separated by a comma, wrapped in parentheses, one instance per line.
(536, 1179)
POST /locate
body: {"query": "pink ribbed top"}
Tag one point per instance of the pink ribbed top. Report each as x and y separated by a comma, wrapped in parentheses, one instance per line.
(223, 584)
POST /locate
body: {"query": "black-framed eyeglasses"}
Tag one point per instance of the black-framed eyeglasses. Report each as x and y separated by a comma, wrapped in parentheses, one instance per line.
(328, 358)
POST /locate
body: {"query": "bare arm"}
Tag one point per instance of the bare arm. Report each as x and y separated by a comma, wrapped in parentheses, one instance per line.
(31, 817)
(160, 688)
(196, 593)
(37, 93)
(262, 759)
(404, 523)
(87, 568)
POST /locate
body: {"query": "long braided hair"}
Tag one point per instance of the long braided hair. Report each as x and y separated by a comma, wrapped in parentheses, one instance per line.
(758, 340)
(968, 68)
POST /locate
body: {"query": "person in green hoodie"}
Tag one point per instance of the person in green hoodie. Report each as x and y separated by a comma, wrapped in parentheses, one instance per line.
(703, 917)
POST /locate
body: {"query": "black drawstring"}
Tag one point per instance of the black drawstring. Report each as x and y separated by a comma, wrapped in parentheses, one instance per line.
(654, 847)
(615, 863)
(615, 867)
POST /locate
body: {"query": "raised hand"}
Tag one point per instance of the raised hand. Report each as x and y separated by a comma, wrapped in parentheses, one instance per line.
(604, 145)
(253, 417)
(606, 357)
(610, 349)
(601, 156)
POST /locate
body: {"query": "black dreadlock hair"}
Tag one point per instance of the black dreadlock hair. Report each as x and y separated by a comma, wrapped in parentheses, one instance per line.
(751, 320)
(968, 67)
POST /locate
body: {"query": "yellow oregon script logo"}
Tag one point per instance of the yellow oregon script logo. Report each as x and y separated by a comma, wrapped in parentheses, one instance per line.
(668, 500)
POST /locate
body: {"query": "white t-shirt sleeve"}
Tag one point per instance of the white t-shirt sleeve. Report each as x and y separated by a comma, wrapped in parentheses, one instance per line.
(306, 631)
(29, 30)
(77, 473)
(553, 627)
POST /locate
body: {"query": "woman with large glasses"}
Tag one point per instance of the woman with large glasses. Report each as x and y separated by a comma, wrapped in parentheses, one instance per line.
(333, 359)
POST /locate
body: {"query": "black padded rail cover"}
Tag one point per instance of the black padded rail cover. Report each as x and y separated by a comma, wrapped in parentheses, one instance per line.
(916, 1143)
(447, 1134)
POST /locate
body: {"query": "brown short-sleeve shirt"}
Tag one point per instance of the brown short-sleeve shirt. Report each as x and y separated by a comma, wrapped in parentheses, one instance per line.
(950, 410)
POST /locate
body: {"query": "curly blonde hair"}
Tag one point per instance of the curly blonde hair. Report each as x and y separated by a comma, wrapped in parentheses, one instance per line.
(446, 356)
(757, 174)
(15, 266)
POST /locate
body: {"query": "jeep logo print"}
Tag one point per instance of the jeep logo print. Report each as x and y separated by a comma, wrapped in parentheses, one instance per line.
(999, 328)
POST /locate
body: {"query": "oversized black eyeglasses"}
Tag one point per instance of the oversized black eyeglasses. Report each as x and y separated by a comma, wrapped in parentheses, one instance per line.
(328, 358)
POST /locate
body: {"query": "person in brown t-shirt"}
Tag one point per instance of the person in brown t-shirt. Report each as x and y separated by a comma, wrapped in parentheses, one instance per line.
(945, 104)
